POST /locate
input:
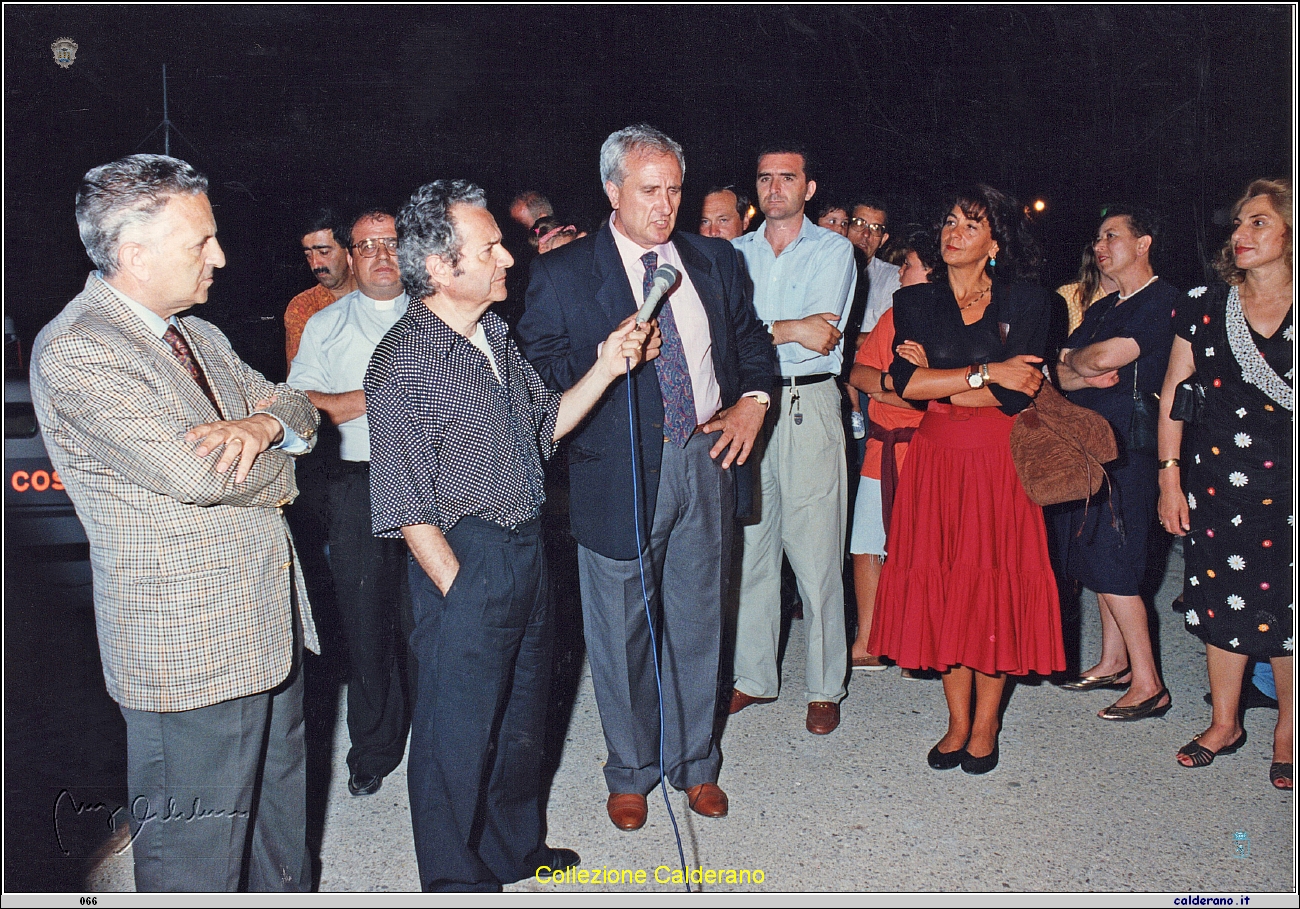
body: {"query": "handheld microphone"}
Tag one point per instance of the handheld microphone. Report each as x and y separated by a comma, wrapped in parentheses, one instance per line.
(665, 277)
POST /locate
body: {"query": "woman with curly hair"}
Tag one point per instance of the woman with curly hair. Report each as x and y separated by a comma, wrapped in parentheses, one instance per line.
(968, 588)
(1235, 517)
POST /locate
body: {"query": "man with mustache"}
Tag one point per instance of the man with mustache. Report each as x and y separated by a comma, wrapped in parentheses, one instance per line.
(325, 244)
(330, 366)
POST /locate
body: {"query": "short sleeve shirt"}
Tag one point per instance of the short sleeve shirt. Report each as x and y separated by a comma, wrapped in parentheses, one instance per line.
(448, 438)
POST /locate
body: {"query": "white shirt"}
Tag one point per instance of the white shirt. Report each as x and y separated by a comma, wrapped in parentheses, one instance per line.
(880, 296)
(335, 351)
(688, 312)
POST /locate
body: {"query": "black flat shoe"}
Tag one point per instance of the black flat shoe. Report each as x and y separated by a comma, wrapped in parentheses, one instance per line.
(978, 765)
(1139, 711)
(1089, 682)
(946, 760)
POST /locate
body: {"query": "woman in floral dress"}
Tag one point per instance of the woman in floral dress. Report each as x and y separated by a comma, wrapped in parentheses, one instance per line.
(1236, 516)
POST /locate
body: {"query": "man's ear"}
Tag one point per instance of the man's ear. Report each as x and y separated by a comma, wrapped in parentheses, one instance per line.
(439, 270)
(133, 259)
(812, 188)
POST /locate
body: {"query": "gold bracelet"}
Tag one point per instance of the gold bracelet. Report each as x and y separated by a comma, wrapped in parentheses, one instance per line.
(1169, 462)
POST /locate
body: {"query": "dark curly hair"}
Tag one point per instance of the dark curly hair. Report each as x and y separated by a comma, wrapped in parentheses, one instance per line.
(920, 241)
(1018, 258)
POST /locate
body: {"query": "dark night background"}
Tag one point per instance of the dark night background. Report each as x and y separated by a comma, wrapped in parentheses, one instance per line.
(1175, 106)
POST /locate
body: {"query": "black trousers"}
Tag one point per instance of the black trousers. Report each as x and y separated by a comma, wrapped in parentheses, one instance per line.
(368, 587)
(479, 724)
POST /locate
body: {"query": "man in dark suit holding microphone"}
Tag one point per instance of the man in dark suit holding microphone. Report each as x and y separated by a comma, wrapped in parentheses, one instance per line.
(698, 411)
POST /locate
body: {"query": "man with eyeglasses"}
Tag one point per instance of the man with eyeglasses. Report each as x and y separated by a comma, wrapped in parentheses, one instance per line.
(803, 279)
(330, 366)
(868, 231)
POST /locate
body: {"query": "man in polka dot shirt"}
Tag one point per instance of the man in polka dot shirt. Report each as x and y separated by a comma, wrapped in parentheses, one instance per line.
(459, 424)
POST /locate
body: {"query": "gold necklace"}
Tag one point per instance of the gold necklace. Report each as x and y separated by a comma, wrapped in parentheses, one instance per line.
(966, 306)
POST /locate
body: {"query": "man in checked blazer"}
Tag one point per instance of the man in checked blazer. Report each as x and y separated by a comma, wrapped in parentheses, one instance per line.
(177, 456)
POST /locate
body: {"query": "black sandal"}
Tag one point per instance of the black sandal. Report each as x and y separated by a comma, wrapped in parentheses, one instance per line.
(1204, 757)
(1279, 773)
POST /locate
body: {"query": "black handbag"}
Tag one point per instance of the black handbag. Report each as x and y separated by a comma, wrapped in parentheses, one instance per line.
(1142, 424)
(1189, 401)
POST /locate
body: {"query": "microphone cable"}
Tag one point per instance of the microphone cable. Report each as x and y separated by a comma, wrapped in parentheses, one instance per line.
(645, 599)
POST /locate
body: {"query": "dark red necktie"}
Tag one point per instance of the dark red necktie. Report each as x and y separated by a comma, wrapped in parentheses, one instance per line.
(191, 364)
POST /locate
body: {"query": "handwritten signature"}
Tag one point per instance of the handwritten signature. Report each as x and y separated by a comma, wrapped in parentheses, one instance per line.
(140, 814)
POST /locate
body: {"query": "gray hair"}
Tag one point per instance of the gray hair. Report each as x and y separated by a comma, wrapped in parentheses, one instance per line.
(425, 228)
(639, 138)
(535, 204)
(128, 193)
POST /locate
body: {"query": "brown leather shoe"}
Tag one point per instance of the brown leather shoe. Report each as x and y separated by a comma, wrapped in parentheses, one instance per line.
(627, 810)
(707, 799)
(740, 700)
(823, 717)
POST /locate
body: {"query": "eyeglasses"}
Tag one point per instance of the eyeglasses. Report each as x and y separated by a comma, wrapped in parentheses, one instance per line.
(861, 224)
(369, 248)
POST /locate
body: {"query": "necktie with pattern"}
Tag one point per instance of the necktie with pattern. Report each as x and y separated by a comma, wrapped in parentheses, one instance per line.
(674, 375)
(186, 358)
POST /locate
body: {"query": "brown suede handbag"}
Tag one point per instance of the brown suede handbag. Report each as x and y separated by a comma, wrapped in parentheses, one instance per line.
(1059, 448)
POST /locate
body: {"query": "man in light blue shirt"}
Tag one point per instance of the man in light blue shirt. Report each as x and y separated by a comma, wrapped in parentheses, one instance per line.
(330, 366)
(803, 280)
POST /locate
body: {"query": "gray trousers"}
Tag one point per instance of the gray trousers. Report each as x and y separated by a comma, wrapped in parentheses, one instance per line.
(802, 508)
(686, 570)
(208, 787)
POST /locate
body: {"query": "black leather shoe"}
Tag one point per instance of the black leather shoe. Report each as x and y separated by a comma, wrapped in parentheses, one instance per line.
(364, 783)
(946, 760)
(562, 859)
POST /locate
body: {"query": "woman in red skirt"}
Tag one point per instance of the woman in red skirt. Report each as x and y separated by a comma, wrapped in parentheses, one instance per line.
(967, 588)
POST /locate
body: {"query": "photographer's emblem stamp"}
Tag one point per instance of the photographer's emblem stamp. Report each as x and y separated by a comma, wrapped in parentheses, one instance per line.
(65, 52)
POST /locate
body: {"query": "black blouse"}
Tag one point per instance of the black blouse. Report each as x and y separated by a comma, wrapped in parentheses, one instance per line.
(1017, 320)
